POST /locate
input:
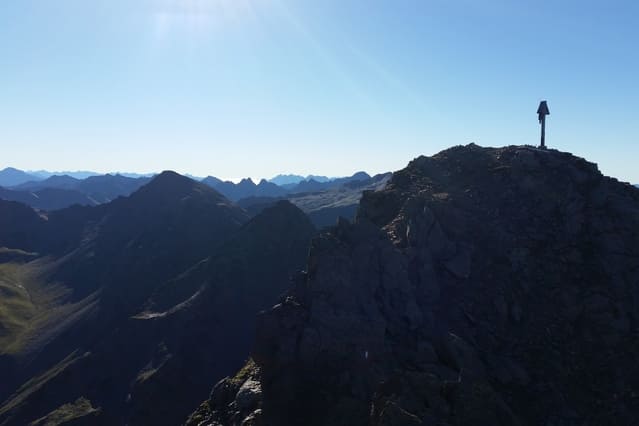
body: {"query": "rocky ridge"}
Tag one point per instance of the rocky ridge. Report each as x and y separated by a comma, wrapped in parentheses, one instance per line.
(484, 286)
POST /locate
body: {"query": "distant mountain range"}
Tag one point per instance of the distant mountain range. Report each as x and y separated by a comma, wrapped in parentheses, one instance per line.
(290, 184)
(100, 189)
(80, 174)
(245, 188)
(284, 180)
(491, 286)
(323, 201)
(11, 176)
(327, 203)
(129, 295)
(311, 193)
(56, 192)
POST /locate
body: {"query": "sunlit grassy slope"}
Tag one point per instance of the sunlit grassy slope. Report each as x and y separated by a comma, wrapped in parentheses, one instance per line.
(16, 305)
(80, 408)
(26, 302)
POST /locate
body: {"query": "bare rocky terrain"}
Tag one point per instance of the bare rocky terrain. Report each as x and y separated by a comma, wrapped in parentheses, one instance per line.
(482, 286)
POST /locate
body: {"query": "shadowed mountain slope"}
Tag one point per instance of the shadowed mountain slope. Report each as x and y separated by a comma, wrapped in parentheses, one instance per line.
(483, 286)
(209, 333)
(20, 225)
(106, 188)
(55, 181)
(48, 198)
(97, 267)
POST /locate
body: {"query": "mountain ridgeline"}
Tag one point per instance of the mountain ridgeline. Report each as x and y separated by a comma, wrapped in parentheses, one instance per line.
(482, 286)
(479, 286)
(246, 188)
(60, 191)
(108, 310)
(322, 198)
(11, 176)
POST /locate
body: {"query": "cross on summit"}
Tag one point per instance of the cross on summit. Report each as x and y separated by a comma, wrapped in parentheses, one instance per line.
(542, 112)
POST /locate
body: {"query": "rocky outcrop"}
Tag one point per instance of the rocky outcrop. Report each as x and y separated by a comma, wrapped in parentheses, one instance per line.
(482, 287)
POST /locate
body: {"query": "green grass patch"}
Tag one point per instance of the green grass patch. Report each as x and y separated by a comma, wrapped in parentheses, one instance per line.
(74, 410)
(16, 306)
(27, 301)
(6, 250)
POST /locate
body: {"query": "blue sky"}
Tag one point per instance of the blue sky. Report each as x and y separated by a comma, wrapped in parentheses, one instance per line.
(236, 88)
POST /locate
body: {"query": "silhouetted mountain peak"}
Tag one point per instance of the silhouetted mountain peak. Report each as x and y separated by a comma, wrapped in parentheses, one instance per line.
(318, 178)
(245, 188)
(465, 292)
(211, 181)
(10, 170)
(360, 176)
(62, 178)
(11, 176)
(170, 176)
(283, 212)
(288, 179)
(172, 184)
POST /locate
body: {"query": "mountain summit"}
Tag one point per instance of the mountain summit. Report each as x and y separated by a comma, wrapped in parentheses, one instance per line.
(481, 286)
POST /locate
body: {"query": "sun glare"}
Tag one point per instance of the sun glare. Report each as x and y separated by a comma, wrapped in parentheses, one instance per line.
(201, 16)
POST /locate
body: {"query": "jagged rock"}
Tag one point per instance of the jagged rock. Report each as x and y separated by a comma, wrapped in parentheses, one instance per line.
(253, 419)
(482, 286)
(249, 395)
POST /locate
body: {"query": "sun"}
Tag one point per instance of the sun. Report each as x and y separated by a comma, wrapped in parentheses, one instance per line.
(201, 15)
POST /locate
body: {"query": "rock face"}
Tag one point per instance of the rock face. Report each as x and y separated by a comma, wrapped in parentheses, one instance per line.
(481, 287)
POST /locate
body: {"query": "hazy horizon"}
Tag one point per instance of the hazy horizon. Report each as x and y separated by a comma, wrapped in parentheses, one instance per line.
(261, 87)
(184, 173)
